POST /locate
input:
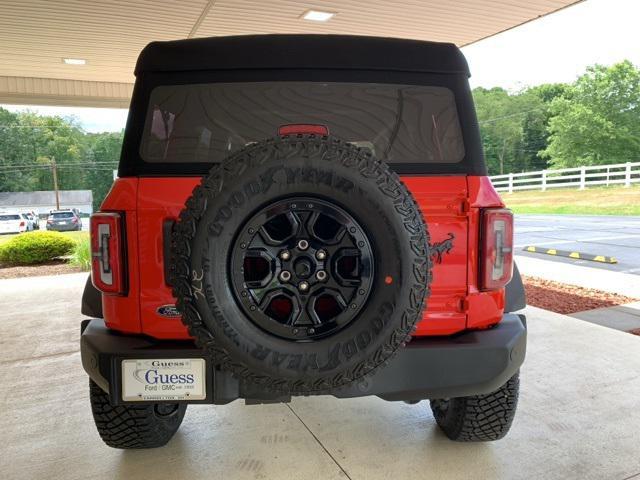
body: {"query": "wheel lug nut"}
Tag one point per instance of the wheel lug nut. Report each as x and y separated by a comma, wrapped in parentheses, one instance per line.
(321, 254)
(321, 275)
(285, 275)
(303, 286)
(303, 244)
(285, 255)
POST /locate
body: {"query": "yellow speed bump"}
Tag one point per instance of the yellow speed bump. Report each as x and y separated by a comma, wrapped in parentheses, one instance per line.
(569, 254)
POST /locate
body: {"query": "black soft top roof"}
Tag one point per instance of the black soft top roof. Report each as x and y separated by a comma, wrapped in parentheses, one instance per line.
(301, 52)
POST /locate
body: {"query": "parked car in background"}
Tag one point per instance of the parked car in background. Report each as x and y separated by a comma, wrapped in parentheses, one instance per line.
(64, 220)
(34, 219)
(29, 220)
(13, 222)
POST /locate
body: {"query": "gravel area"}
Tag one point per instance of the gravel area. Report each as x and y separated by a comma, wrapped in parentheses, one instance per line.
(566, 299)
(52, 268)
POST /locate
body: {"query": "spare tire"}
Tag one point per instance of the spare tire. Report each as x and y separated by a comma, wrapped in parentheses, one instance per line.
(301, 263)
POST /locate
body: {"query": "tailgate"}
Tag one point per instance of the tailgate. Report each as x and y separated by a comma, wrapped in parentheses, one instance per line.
(443, 201)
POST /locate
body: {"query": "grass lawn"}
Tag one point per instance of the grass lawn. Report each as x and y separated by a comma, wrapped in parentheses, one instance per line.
(591, 201)
(77, 236)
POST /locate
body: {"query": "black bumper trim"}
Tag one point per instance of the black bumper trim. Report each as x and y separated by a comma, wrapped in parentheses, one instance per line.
(470, 363)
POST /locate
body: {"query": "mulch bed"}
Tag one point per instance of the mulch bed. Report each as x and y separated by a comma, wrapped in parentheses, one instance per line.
(51, 268)
(566, 299)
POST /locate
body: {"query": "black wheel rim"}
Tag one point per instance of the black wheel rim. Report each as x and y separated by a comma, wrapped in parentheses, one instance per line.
(302, 268)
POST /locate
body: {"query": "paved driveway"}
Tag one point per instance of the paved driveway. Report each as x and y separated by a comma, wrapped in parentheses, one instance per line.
(617, 237)
(578, 417)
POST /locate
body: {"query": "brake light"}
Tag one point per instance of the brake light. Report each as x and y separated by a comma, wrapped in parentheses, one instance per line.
(21, 224)
(496, 265)
(107, 253)
(49, 220)
(301, 128)
(74, 220)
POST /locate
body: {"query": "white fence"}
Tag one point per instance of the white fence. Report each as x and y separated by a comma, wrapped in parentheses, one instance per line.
(579, 177)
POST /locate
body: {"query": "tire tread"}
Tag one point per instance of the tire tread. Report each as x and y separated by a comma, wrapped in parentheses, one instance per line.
(131, 426)
(478, 418)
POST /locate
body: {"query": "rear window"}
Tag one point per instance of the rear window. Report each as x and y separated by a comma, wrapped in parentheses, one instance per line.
(62, 215)
(4, 218)
(204, 123)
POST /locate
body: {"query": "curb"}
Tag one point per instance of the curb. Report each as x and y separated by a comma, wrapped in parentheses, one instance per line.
(570, 254)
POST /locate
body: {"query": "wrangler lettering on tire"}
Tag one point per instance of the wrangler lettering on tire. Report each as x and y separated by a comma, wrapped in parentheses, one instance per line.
(281, 260)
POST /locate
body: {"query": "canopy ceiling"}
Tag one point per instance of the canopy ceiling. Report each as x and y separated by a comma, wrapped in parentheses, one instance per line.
(36, 35)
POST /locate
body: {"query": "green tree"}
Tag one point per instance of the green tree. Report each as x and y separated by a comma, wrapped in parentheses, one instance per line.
(535, 126)
(104, 154)
(500, 116)
(29, 143)
(597, 121)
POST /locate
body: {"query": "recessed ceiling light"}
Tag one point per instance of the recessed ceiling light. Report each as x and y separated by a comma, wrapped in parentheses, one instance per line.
(74, 61)
(317, 15)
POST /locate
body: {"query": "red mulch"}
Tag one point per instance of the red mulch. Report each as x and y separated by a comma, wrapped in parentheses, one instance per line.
(52, 268)
(565, 299)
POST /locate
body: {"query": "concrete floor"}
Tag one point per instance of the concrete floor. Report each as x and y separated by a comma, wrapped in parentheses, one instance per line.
(578, 417)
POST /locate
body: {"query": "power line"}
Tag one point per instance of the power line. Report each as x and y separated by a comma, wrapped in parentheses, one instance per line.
(72, 164)
(48, 127)
(510, 115)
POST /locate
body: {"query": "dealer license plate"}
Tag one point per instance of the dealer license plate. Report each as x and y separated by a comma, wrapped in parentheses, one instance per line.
(164, 379)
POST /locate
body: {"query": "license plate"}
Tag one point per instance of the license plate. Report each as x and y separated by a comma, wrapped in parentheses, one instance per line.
(63, 223)
(164, 379)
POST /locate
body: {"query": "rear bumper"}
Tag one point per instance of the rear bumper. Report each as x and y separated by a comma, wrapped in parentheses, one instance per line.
(470, 363)
(63, 228)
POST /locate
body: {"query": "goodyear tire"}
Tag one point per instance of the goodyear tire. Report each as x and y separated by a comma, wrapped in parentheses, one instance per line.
(134, 426)
(362, 228)
(478, 418)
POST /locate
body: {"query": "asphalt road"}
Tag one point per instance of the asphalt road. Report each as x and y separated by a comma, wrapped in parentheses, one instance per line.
(618, 237)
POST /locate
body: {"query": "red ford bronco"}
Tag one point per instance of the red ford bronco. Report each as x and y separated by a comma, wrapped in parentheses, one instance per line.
(301, 215)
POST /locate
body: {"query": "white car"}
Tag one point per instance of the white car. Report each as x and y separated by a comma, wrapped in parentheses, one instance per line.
(13, 222)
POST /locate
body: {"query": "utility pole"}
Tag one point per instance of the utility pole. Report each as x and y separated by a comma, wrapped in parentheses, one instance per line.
(54, 169)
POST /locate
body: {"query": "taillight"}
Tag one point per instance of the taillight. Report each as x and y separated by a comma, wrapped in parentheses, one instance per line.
(496, 261)
(21, 224)
(74, 220)
(49, 220)
(107, 253)
(300, 128)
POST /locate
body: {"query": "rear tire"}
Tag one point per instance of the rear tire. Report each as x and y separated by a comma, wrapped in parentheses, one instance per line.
(478, 418)
(134, 426)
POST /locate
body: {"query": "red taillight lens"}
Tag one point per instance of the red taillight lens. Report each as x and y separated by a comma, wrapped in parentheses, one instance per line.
(107, 252)
(49, 221)
(496, 262)
(300, 128)
(22, 224)
(74, 220)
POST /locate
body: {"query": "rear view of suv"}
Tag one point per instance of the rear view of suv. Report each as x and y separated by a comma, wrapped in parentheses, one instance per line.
(64, 220)
(301, 215)
(13, 222)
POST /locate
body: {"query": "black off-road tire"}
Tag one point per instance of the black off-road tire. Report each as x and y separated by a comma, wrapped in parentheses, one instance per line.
(134, 426)
(478, 418)
(215, 217)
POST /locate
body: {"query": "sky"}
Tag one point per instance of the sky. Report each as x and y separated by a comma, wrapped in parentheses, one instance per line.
(555, 48)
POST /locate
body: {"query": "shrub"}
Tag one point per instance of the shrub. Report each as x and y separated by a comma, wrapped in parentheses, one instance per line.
(81, 254)
(35, 247)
